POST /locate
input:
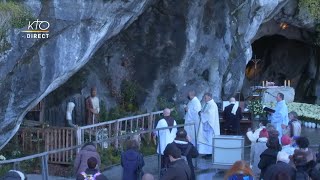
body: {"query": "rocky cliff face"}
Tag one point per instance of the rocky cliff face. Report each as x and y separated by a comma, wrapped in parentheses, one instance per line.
(204, 46)
(33, 68)
(173, 46)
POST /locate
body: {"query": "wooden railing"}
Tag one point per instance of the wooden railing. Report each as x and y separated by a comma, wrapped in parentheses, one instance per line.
(59, 138)
(31, 139)
(46, 139)
(36, 140)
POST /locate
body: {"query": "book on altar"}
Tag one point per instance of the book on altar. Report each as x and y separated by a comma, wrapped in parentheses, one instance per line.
(269, 110)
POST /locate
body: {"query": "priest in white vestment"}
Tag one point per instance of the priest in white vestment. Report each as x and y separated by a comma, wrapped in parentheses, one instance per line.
(280, 116)
(192, 109)
(209, 126)
(165, 136)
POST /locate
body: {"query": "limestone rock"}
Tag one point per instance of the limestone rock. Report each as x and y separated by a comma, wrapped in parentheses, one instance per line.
(173, 46)
(31, 69)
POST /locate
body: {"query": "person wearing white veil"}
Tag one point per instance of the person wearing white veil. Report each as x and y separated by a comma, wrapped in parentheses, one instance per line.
(70, 108)
(232, 116)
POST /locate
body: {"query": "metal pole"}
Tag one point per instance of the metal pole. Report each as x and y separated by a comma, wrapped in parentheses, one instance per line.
(79, 137)
(44, 166)
(159, 154)
(82, 136)
(195, 144)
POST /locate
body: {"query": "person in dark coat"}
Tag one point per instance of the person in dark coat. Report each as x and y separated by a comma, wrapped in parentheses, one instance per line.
(14, 175)
(304, 169)
(303, 145)
(269, 156)
(232, 116)
(178, 168)
(132, 161)
(187, 149)
(88, 150)
(91, 171)
(281, 170)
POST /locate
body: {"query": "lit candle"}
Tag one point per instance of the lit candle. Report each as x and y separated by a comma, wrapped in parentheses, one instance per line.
(289, 83)
(285, 83)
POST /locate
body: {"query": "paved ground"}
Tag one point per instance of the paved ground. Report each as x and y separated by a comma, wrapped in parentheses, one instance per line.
(205, 170)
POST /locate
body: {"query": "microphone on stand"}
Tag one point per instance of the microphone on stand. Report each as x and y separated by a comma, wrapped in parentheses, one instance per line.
(270, 94)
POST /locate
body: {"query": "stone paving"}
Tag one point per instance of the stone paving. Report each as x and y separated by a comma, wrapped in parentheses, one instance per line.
(205, 170)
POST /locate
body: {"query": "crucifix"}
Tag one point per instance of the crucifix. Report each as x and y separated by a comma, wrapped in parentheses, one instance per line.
(255, 61)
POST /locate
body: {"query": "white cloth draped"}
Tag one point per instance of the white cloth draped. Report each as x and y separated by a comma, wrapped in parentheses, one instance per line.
(280, 116)
(234, 108)
(70, 108)
(192, 116)
(209, 127)
(165, 135)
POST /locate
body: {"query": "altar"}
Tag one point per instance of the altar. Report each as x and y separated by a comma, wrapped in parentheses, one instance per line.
(268, 94)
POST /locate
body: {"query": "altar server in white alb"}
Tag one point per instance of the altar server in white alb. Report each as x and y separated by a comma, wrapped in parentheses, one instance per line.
(165, 136)
(280, 116)
(192, 109)
(209, 126)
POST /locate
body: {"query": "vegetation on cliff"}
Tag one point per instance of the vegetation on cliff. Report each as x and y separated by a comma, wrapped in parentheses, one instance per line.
(13, 15)
(313, 7)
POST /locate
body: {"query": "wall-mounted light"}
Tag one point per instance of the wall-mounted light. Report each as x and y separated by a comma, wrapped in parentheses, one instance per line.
(284, 26)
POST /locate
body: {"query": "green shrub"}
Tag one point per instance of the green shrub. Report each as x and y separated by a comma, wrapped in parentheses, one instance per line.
(4, 169)
(126, 100)
(13, 15)
(109, 156)
(103, 115)
(313, 7)
(164, 103)
(148, 148)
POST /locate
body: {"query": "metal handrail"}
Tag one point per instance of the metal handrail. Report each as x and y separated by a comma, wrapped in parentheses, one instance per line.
(44, 155)
(80, 130)
(110, 139)
(118, 120)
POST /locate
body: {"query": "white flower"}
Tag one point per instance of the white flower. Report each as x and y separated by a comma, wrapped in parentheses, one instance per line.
(2, 158)
(308, 111)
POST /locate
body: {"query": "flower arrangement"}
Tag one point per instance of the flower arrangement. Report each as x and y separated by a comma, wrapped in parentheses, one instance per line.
(308, 112)
(255, 106)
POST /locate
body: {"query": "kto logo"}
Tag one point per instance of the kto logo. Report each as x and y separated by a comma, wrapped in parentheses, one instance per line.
(38, 29)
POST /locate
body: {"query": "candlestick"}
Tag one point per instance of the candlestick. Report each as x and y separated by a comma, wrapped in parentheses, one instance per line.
(285, 83)
(289, 83)
(262, 83)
